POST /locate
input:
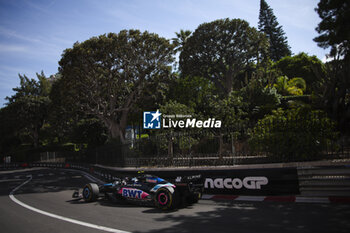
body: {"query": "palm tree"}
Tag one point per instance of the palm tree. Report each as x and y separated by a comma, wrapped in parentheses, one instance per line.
(296, 86)
(180, 39)
(285, 87)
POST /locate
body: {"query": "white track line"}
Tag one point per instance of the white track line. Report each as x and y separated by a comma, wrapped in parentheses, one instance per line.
(86, 224)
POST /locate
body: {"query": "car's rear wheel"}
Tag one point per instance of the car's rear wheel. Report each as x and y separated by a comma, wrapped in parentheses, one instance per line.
(164, 199)
(91, 192)
(193, 198)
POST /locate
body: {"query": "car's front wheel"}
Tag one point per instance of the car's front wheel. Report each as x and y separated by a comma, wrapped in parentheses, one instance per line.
(91, 192)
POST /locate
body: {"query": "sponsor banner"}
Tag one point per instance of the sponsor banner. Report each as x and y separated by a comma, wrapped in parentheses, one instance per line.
(269, 181)
(249, 182)
(276, 181)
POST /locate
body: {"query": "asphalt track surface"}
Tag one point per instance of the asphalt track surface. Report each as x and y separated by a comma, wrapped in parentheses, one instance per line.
(42, 203)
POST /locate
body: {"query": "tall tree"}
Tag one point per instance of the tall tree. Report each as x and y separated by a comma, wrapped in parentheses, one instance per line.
(268, 24)
(220, 50)
(334, 27)
(180, 40)
(334, 30)
(106, 76)
(179, 43)
(30, 105)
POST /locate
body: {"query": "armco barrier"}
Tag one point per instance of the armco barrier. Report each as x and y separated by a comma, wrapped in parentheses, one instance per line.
(9, 166)
(324, 181)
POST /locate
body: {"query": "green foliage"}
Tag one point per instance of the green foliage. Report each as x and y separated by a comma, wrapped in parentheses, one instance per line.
(90, 131)
(333, 92)
(180, 40)
(268, 24)
(64, 113)
(334, 89)
(29, 107)
(192, 91)
(184, 142)
(31, 88)
(334, 27)
(230, 110)
(106, 76)
(173, 107)
(304, 66)
(285, 87)
(220, 50)
(296, 86)
(294, 134)
(260, 98)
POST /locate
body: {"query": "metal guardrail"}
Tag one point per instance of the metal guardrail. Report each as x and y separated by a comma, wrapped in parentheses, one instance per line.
(324, 181)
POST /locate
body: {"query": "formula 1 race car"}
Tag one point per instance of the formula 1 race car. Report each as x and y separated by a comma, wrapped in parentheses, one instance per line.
(147, 189)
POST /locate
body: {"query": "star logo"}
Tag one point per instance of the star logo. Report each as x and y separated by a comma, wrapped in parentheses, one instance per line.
(156, 115)
(151, 120)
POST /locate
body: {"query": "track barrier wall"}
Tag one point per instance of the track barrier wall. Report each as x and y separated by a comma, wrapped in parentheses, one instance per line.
(307, 181)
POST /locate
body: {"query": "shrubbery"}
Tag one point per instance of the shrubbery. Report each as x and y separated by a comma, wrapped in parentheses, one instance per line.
(293, 134)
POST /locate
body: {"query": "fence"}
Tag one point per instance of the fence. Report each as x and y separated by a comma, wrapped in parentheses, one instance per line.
(282, 140)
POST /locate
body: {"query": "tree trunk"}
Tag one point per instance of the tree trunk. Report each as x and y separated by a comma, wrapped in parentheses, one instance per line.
(116, 128)
(35, 137)
(116, 132)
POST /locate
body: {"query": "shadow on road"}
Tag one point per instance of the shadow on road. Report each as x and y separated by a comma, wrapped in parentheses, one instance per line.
(261, 217)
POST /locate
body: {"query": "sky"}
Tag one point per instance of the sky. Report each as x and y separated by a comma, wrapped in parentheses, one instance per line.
(34, 33)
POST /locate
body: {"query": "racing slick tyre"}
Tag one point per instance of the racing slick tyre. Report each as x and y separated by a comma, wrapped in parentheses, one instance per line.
(164, 199)
(91, 192)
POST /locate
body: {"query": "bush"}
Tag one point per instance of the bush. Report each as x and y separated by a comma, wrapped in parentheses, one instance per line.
(293, 134)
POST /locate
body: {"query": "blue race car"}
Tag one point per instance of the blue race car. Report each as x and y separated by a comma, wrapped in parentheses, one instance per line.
(147, 189)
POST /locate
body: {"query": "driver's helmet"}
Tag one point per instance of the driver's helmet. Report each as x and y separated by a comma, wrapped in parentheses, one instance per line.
(125, 180)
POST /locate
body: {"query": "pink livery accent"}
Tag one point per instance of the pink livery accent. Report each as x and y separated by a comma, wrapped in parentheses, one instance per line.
(162, 198)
